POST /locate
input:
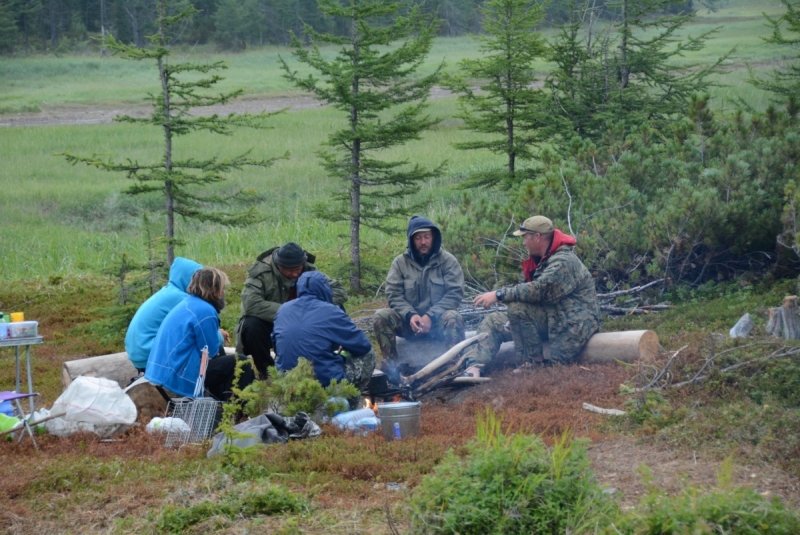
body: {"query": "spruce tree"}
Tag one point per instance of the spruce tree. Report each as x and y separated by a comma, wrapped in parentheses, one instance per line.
(628, 72)
(372, 81)
(8, 29)
(179, 179)
(784, 83)
(506, 107)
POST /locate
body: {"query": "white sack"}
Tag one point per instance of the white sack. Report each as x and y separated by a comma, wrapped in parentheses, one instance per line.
(93, 404)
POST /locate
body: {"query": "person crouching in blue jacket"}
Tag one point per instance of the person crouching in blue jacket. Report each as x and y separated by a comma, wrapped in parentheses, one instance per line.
(312, 327)
(193, 324)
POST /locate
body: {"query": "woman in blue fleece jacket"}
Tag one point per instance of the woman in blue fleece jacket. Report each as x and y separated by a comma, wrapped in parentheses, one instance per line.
(193, 324)
(311, 326)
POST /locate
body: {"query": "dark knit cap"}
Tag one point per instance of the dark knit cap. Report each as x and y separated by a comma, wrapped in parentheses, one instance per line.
(290, 255)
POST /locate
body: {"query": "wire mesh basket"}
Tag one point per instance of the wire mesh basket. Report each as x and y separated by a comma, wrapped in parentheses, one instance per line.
(200, 417)
(199, 414)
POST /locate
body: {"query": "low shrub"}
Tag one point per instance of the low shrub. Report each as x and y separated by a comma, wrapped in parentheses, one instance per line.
(295, 391)
(728, 510)
(265, 500)
(512, 484)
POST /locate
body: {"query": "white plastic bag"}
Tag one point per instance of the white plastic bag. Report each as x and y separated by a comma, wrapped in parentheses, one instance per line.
(165, 425)
(92, 404)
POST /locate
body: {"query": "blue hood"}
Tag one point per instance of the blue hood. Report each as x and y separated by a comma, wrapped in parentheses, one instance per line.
(180, 274)
(314, 284)
(415, 223)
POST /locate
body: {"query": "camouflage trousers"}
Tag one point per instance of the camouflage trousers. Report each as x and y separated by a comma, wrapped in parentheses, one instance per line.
(358, 370)
(528, 328)
(388, 324)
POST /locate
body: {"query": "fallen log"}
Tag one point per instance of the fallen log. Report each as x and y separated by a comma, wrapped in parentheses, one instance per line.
(627, 346)
(115, 366)
(471, 380)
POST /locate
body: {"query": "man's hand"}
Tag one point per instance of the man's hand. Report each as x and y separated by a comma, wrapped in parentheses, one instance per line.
(485, 300)
(420, 324)
(225, 336)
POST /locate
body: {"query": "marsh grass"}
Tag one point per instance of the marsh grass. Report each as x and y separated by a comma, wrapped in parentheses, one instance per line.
(59, 218)
(28, 84)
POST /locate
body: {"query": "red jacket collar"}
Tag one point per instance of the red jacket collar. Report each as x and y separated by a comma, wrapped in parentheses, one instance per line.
(560, 239)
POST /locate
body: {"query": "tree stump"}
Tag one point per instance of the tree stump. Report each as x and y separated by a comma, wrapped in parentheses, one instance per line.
(148, 400)
(784, 321)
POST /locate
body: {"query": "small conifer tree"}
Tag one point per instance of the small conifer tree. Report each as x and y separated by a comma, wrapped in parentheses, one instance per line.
(626, 73)
(508, 108)
(369, 79)
(181, 92)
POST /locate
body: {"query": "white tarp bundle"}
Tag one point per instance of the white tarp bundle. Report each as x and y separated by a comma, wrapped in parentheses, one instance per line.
(92, 404)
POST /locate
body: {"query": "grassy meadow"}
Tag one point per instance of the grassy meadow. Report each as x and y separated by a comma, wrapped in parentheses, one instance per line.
(58, 219)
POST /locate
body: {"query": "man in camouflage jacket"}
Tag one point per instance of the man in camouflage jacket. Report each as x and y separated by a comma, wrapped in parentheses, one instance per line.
(272, 281)
(424, 287)
(556, 302)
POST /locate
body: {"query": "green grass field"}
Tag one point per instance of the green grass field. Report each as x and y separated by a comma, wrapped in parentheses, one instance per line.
(58, 219)
(41, 82)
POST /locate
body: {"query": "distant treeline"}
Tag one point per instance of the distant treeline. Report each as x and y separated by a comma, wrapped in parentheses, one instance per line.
(28, 26)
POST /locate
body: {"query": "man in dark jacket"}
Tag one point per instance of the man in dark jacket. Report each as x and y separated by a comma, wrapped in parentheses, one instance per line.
(313, 327)
(272, 281)
(424, 287)
(554, 301)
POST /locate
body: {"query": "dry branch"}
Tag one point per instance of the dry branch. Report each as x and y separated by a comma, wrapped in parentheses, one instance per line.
(664, 371)
(593, 408)
(630, 291)
(643, 309)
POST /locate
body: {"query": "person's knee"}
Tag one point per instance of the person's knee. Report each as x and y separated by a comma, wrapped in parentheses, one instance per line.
(492, 322)
(451, 319)
(382, 321)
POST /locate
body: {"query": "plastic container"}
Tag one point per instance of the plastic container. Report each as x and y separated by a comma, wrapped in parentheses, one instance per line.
(349, 419)
(4, 331)
(7, 408)
(17, 317)
(405, 414)
(368, 424)
(23, 329)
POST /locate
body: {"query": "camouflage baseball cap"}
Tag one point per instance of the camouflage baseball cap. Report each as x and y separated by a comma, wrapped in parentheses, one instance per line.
(536, 224)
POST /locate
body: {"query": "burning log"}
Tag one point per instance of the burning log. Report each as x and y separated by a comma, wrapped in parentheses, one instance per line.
(442, 370)
(444, 359)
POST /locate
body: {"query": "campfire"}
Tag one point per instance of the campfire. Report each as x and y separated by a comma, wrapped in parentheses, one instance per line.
(392, 385)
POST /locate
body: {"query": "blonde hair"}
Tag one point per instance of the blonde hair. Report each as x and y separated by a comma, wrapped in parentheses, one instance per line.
(208, 284)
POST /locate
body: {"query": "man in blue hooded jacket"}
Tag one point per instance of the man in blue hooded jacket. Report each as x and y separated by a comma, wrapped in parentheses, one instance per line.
(424, 287)
(312, 327)
(145, 323)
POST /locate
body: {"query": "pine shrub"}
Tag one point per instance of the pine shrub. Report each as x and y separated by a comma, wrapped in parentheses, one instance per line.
(511, 484)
